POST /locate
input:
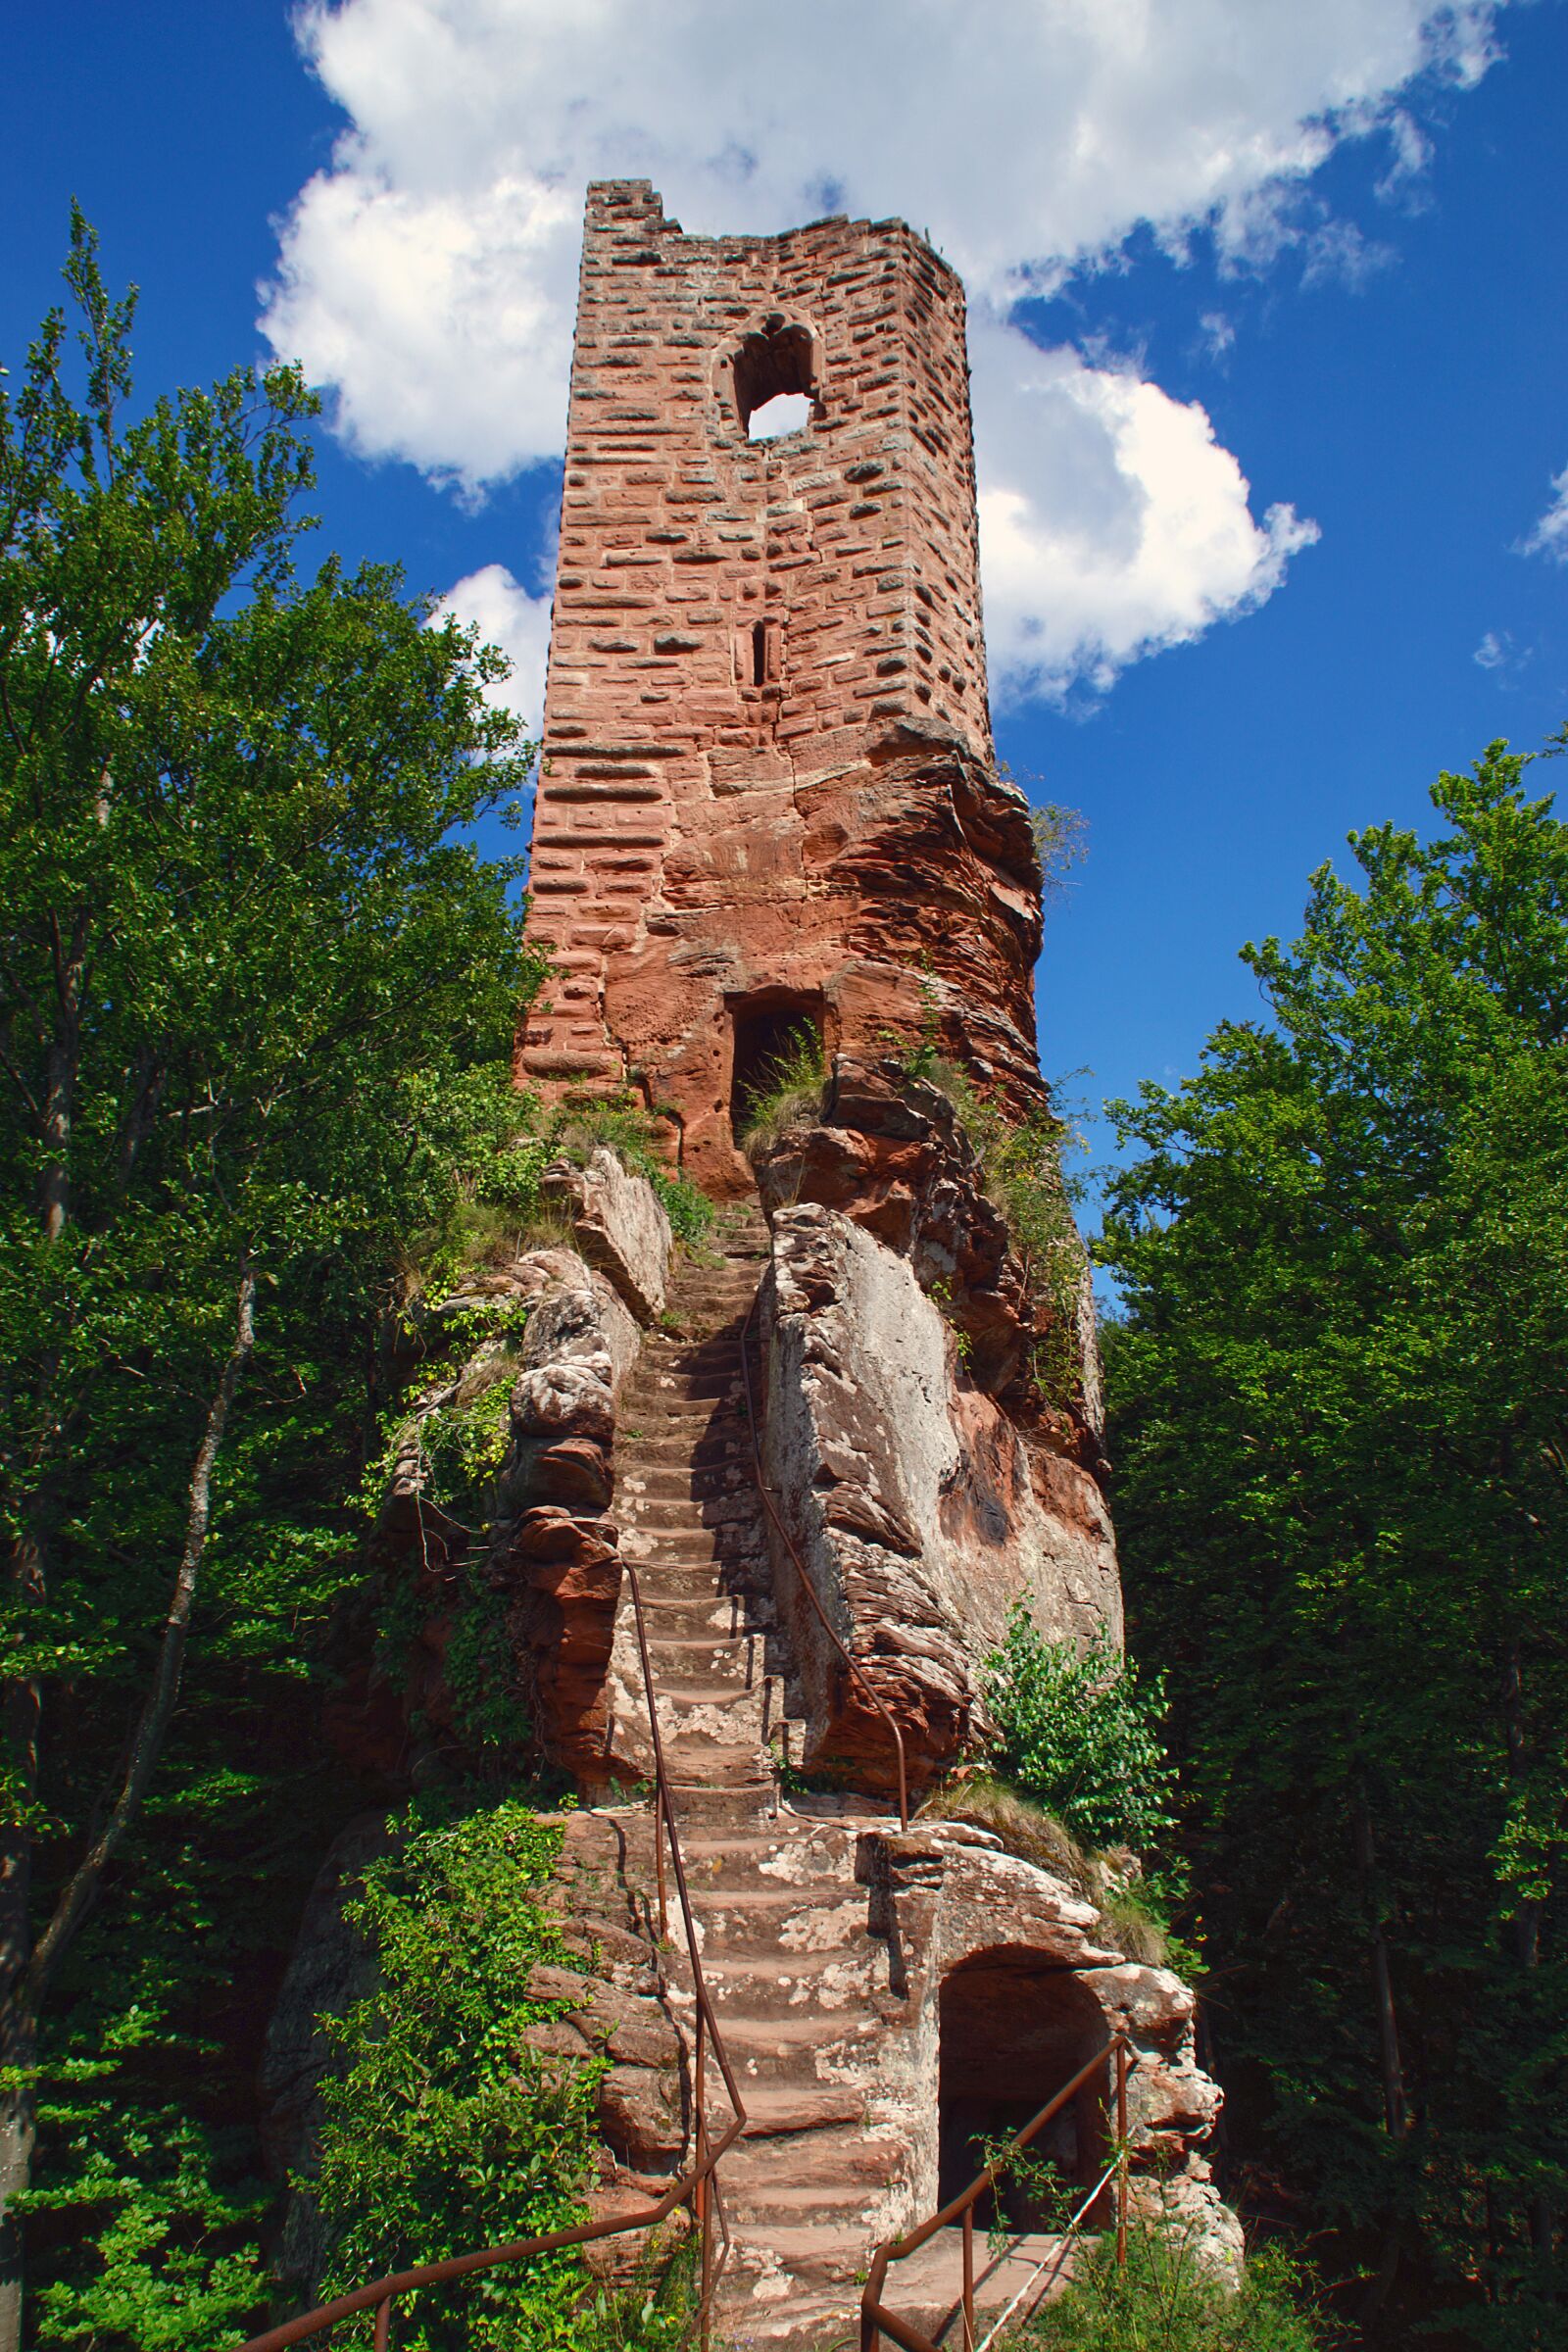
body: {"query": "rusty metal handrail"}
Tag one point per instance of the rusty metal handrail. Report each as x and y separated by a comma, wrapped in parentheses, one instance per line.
(851, 1661)
(694, 2186)
(876, 2318)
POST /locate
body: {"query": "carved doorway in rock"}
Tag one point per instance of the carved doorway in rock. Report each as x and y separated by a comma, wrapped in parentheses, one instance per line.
(1014, 2028)
(763, 1027)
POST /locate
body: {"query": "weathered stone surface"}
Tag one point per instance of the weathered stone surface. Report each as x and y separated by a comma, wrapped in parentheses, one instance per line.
(769, 781)
(619, 1225)
(329, 1970)
(890, 1152)
(911, 1498)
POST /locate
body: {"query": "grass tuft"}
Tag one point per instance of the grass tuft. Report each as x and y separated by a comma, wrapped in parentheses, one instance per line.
(789, 1091)
(1035, 1836)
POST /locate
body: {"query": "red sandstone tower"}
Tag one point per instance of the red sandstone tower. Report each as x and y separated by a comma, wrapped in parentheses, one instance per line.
(768, 792)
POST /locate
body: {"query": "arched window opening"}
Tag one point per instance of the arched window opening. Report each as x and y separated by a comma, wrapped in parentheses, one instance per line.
(1013, 2029)
(766, 1030)
(775, 364)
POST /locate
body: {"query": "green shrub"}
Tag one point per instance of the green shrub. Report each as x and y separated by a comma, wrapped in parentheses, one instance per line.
(789, 1088)
(583, 1123)
(444, 2131)
(1020, 1163)
(1077, 1731)
(1167, 2301)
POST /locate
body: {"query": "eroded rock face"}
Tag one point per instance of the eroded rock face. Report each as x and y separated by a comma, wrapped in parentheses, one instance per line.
(888, 1152)
(619, 1225)
(539, 1537)
(914, 1504)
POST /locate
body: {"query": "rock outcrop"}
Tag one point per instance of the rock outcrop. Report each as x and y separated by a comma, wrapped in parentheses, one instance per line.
(928, 1478)
(619, 1226)
(533, 1540)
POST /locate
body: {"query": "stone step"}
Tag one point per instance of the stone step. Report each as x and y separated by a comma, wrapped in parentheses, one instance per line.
(703, 1439)
(678, 1481)
(672, 1511)
(701, 1661)
(848, 2199)
(682, 1572)
(739, 1804)
(735, 1932)
(681, 1611)
(667, 1409)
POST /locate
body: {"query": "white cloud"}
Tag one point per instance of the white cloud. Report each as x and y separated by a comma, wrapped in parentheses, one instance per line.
(1111, 521)
(1550, 534)
(429, 274)
(519, 623)
(1498, 653)
(1219, 336)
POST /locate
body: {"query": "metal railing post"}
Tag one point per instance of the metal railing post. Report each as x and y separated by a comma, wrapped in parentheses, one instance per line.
(383, 2323)
(1121, 2152)
(876, 2320)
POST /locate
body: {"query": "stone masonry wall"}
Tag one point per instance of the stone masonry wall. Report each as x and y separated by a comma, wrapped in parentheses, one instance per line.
(766, 779)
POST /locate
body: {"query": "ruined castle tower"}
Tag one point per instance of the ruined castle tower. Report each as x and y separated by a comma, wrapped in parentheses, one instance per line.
(768, 792)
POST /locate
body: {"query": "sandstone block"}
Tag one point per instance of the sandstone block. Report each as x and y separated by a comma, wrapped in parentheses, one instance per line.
(620, 1228)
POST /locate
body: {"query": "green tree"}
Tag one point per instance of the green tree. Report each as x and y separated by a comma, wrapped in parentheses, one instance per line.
(1339, 1390)
(256, 992)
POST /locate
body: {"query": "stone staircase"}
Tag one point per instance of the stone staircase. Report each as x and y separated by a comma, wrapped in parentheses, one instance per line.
(820, 2043)
(800, 1987)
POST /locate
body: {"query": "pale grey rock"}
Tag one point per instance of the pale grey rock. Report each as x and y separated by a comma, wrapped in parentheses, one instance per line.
(919, 1512)
(619, 1225)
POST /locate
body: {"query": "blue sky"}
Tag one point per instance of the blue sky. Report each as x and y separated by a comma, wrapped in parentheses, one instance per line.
(1312, 263)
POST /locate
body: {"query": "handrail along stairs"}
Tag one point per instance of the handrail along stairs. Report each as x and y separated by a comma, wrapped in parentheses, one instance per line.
(698, 2187)
(877, 2320)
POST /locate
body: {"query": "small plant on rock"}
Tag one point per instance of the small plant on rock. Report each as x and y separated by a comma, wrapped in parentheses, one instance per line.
(584, 1121)
(787, 1089)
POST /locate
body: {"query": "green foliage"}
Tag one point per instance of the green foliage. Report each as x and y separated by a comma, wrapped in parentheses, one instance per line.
(1027, 2192)
(257, 996)
(444, 2131)
(1020, 1162)
(1062, 842)
(583, 1121)
(788, 1089)
(1166, 2301)
(1340, 1397)
(168, 2200)
(1078, 1731)
(657, 2312)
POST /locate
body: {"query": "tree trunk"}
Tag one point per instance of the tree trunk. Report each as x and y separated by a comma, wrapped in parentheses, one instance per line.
(1526, 1927)
(1396, 2111)
(147, 1741)
(22, 1708)
(60, 1065)
(25, 1974)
